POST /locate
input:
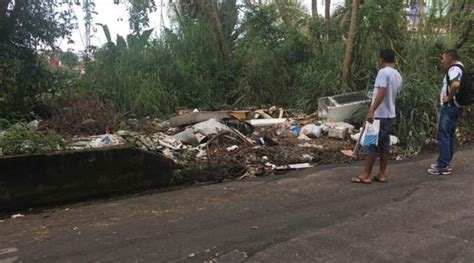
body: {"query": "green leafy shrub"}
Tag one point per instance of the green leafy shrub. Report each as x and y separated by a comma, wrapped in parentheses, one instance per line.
(19, 139)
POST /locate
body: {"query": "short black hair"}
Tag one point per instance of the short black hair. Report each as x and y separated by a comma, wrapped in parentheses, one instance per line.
(452, 53)
(388, 55)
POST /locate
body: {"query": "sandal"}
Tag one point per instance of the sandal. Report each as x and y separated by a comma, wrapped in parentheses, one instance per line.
(360, 180)
(377, 179)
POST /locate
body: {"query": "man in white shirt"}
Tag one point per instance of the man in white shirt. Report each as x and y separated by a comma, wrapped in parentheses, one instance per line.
(386, 89)
(449, 112)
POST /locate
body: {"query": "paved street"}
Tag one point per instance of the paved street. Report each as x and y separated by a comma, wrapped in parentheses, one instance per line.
(308, 216)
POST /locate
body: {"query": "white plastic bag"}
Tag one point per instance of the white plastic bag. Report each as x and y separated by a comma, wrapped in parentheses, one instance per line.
(311, 130)
(371, 133)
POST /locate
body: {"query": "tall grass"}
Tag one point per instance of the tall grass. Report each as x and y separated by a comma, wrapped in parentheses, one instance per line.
(319, 77)
(269, 64)
(417, 107)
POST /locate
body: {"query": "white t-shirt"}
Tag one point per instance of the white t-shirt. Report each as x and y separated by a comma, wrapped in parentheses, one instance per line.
(390, 79)
(454, 73)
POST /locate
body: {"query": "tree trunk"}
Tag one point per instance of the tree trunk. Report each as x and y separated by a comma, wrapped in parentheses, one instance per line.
(228, 15)
(213, 15)
(282, 9)
(327, 15)
(314, 8)
(350, 43)
(421, 22)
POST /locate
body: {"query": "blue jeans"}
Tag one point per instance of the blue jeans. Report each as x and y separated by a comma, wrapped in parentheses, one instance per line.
(447, 119)
(383, 146)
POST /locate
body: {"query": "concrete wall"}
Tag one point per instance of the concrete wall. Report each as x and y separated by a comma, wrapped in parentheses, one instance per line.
(32, 180)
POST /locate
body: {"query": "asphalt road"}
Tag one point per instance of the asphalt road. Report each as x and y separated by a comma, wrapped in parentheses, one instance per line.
(311, 216)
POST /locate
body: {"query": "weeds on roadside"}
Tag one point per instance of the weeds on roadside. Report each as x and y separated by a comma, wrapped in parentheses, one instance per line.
(20, 139)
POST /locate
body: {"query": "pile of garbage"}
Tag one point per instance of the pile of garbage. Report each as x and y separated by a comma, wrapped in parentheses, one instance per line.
(222, 145)
(218, 145)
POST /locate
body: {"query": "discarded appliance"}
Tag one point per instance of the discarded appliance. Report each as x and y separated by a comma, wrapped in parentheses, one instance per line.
(342, 107)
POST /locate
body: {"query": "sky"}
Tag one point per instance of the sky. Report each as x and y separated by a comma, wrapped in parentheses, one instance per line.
(116, 18)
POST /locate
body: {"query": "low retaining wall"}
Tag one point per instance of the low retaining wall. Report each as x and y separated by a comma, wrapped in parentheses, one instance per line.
(40, 179)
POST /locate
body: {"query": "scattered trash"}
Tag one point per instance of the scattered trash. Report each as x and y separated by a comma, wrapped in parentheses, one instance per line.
(261, 113)
(196, 117)
(311, 130)
(338, 133)
(295, 130)
(210, 127)
(266, 122)
(232, 148)
(188, 136)
(222, 145)
(304, 137)
(75, 228)
(393, 140)
(307, 157)
(340, 126)
(17, 216)
(266, 141)
(310, 145)
(33, 124)
(124, 133)
(105, 140)
(242, 126)
(270, 165)
(254, 227)
(168, 153)
(170, 142)
(240, 115)
(296, 166)
(96, 141)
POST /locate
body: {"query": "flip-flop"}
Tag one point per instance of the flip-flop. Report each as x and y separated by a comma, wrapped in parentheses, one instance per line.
(377, 179)
(359, 180)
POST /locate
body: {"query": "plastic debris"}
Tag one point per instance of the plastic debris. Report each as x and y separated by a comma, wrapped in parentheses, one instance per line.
(266, 122)
(311, 130)
(304, 137)
(232, 148)
(338, 133)
(17, 216)
(33, 124)
(310, 145)
(295, 166)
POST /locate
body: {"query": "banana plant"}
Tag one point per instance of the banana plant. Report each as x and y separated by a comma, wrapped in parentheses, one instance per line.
(138, 41)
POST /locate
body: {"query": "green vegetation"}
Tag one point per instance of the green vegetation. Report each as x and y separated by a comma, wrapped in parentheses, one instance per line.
(272, 53)
(19, 139)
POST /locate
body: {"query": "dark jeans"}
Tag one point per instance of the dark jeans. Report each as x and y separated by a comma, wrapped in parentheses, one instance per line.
(447, 119)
